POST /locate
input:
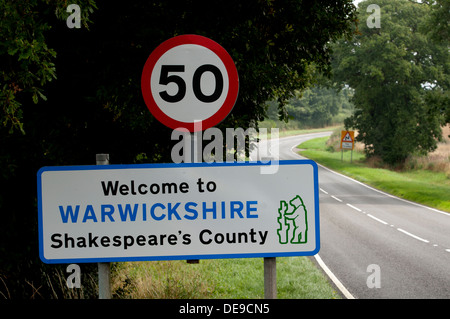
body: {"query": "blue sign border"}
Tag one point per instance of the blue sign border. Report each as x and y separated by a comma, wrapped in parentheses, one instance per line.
(182, 257)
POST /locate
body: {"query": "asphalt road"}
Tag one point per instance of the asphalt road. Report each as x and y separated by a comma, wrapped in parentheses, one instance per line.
(377, 245)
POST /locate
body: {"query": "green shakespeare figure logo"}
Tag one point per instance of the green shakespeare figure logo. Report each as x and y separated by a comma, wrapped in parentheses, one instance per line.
(293, 222)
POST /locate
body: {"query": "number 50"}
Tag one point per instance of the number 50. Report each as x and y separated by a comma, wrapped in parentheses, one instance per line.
(165, 79)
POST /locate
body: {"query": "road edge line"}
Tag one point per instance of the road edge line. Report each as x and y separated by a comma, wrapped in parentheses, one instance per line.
(333, 278)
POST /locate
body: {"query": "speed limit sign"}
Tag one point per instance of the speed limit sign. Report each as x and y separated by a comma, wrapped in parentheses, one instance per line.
(190, 80)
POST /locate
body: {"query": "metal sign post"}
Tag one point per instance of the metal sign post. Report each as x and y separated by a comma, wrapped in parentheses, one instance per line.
(104, 268)
(195, 157)
(270, 278)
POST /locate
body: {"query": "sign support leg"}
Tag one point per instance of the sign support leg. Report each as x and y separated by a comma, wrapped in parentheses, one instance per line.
(270, 277)
(104, 280)
(196, 157)
(104, 269)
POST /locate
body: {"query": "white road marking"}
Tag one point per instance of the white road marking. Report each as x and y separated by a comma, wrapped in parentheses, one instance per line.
(339, 200)
(323, 191)
(355, 208)
(412, 235)
(377, 219)
(292, 149)
(336, 281)
(384, 193)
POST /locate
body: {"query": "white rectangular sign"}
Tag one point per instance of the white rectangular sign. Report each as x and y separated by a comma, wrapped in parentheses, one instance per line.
(177, 211)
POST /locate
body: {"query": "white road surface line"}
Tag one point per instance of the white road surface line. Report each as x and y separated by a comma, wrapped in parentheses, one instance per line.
(377, 219)
(335, 280)
(323, 191)
(339, 200)
(384, 193)
(355, 208)
(412, 235)
(292, 149)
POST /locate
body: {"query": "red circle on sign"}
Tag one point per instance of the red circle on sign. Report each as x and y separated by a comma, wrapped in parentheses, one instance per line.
(231, 95)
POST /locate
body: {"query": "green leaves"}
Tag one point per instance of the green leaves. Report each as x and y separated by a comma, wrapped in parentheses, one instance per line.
(28, 61)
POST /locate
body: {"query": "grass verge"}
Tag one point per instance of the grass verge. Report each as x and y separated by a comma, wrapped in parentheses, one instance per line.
(422, 186)
(297, 278)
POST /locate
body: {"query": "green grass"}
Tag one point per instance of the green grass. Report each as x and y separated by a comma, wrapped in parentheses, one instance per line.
(297, 278)
(421, 186)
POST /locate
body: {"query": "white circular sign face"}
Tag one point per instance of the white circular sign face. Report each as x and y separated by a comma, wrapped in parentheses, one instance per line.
(191, 58)
(189, 80)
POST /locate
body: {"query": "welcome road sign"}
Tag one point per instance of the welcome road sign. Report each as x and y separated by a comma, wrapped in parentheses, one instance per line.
(107, 213)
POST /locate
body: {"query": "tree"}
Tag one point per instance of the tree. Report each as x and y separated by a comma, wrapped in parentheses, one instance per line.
(399, 76)
(438, 22)
(437, 26)
(91, 82)
(317, 105)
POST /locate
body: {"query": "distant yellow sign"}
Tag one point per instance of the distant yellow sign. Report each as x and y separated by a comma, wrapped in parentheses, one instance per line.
(347, 140)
